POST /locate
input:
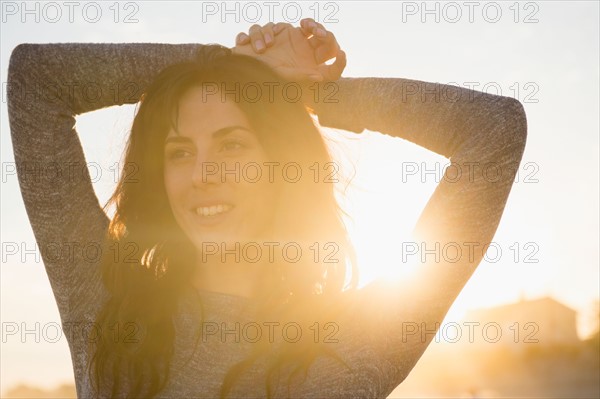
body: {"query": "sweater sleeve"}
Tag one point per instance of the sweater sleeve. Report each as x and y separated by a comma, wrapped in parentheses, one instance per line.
(48, 85)
(484, 137)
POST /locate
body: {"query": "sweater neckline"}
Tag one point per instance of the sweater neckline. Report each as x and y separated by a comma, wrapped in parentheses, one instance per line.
(224, 302)
(222, 296)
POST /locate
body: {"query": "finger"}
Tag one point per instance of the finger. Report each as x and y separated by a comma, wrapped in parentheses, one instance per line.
(334, 71)
(314, 42)
(307, 25)
(340, 63)
(280, 27)
(256, 38)
(242, 39)
(322, 37)
(268, 34)
(320, 32)
(311, 27)
(326, 49)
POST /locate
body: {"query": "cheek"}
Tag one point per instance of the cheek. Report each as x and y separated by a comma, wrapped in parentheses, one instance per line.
(173, 186)
(265, 195)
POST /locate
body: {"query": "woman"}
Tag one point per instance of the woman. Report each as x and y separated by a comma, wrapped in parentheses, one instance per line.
(173, 314)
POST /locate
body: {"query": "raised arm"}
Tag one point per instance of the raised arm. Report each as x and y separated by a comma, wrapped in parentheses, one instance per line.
(48, 85)
(482, 134)
(474, 130)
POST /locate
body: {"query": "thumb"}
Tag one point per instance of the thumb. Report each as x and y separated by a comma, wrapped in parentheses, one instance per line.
(334, 71)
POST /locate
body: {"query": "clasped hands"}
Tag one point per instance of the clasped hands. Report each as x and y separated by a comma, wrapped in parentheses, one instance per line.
(297, 54)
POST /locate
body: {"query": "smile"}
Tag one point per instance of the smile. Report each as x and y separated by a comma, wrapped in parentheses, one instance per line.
(208, 211)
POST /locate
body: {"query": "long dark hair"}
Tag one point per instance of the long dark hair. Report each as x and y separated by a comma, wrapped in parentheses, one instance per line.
(146, 289)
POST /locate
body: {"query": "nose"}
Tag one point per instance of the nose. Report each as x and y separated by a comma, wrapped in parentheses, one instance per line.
(206, 171)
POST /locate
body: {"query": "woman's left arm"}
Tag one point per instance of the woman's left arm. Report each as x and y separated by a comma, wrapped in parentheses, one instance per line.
(484, 137)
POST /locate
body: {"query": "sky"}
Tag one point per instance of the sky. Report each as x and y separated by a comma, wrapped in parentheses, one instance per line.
(543, 53)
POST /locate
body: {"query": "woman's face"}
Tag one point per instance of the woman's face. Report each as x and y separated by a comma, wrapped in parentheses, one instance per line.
(210, 170)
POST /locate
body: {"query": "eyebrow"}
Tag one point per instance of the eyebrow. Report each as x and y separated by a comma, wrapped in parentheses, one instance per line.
(215, 135)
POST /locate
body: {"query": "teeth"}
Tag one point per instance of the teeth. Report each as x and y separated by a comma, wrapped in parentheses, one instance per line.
(212, 210)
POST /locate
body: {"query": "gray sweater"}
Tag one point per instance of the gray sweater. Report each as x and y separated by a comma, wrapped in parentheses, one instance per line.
(377, 337)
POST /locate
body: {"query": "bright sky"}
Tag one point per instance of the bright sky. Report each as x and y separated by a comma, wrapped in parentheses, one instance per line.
(543, 53)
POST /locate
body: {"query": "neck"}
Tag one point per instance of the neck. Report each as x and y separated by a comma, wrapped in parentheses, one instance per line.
(235, 278)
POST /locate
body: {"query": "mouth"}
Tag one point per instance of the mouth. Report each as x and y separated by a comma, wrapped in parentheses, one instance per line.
(212, 210)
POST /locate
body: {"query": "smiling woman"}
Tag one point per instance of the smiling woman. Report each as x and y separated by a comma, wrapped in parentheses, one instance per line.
(173, 139)
(197, 309)
(235, 210)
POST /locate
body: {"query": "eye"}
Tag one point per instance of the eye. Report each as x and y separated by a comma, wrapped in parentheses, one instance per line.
(232, 145)
(178, 154)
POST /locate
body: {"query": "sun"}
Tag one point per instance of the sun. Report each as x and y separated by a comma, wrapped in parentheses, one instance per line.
(383, 201)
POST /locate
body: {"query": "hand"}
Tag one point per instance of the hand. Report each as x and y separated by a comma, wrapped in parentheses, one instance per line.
(260, 37)
(298, 54)
(325, 47)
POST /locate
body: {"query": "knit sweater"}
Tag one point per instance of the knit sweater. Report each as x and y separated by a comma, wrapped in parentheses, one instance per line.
(377, 337)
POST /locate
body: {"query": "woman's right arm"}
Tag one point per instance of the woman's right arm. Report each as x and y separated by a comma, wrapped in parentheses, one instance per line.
(48, 85)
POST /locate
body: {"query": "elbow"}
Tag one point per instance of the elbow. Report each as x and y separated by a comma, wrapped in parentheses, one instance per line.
(510, 114)
(21, 59)
(21, 68)
(517, 119)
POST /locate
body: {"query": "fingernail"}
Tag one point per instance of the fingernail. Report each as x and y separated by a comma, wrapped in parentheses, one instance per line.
(277, 28)
(315, 77)
(242, 37)
(320, 32)
(259, 45)
(268, 39)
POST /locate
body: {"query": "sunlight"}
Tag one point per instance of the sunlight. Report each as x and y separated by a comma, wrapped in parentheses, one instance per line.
(554, 203)
(380, 255)
(385, 202)
(383, 205)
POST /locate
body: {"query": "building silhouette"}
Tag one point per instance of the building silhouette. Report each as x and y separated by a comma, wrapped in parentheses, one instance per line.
(543, 321)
